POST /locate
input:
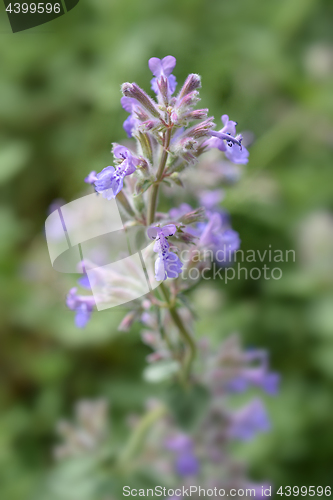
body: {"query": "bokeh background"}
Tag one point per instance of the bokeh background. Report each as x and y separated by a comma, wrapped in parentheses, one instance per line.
(269, 65)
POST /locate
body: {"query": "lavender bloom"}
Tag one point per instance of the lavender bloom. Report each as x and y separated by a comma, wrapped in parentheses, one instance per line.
(129, 104)
(163, 67)
(82, 305)
(167, 264)
(176, 213)
(186, 462)
(179, 443)
(227, 141)
(217, 234)
(110, 180)
(211, 199)
(249, 420)
(91, 178)
(84, 282)
(259, 377)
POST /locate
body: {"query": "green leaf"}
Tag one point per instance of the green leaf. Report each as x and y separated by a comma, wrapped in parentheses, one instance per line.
(158, 372)
(142, 186)
(187, 406)
(176, 179)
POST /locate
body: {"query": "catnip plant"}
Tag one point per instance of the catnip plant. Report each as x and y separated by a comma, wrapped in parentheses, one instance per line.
(194, 423)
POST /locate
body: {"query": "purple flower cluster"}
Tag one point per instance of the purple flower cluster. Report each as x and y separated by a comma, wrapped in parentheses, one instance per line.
(171, 135)
(167, 264)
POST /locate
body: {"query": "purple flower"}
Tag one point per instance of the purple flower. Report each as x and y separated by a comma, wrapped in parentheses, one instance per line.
(268, 381)
(217, 235)
(179, 443)
(163, 67)
(84, 282)
(227, 141)
(82, 305)
(167, 264)
(258, 375)
(129, 104)
(110, 180)
(186, 462)
(91, 178)
(176, 213)
(249, 420)
(210, 199)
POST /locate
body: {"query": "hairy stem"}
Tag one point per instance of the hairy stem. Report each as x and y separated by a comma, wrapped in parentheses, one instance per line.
(154, 188)
(138, 436)
(187, 338)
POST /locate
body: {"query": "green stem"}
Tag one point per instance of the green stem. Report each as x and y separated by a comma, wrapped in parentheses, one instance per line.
(139, 435)
(154, 188)
(184, 333)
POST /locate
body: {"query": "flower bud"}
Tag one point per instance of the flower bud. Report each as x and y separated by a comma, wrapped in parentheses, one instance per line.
(187, 101)
(149, 125)
(174, 117)
(192, 82)
(188, 144)
(144, 166)
(197, 114)
(202, 129)
(134, 91)
(127, 322)
(196, 215)
(162, 84)
(155, 356)
(145, 144)
(141, 114)
(185, 237)
(149, 338)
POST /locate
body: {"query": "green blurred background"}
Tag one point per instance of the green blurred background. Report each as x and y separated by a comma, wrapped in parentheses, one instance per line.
(269, 65)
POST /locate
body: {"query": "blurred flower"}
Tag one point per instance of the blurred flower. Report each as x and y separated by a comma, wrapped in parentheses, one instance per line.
(249, 420)
(186, 462)
(211, 198)
(82, 305)
(87, 433)
(259, 377)
(218, 235)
